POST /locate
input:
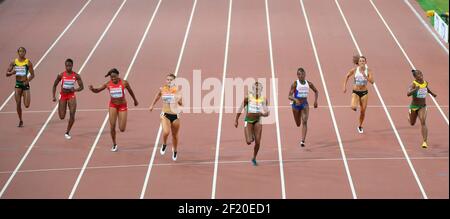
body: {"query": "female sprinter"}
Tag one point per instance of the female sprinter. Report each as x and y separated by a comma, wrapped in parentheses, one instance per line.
(67, 94)
(170, 120)
(299, 101)
(362, 74)
(256, 106)
(419, 90)
(118, 104)
(21, 67)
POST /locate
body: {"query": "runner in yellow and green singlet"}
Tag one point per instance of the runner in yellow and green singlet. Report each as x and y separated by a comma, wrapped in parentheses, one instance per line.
(418, 108)
(23, 69)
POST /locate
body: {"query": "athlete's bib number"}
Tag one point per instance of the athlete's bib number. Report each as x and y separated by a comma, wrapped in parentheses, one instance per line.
(302, 92)
(21, 71)
(422, 92)
(254, 108)
(168, 98)
(360, 80)
(116, 92)
(69, 84)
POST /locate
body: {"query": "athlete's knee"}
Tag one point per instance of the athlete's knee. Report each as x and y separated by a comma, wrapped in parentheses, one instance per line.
(304, 122)
(353, 108)
(27, 103)
(423, 123)
(122, 129)
(298, 124)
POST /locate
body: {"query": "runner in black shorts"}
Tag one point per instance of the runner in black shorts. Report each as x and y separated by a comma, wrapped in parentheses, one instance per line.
(170, 120)
(362, 74)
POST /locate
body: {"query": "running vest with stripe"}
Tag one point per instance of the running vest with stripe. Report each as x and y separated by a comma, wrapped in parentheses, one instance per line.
(168, 94)
(68, 81)
(302, 90)
(116, 90)
(21, 68)
(255, 104)
(423, 90)
(360, 80)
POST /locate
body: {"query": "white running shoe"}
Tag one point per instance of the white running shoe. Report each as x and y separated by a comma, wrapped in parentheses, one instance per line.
(114, 148)
(360, 130)
(163, 149)
(302, 143)
(67, 136)
(174, 156)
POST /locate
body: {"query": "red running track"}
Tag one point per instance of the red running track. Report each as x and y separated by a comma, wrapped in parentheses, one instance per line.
(376, 162)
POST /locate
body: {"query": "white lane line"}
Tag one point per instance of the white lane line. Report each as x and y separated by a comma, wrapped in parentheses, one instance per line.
(209, 108)
(407, 57)
(222, 95)
(180, 57)
(425, 24)
(385, 109)
(88, 158)
(56, 107)
(191, 163)
(50, 48)
(275, 95)
(338, 135)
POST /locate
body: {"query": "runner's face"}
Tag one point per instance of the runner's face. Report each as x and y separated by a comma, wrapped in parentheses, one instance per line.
(114, 78)
(419, 76)
(69, 66)
(362, 62)
(170, 81)
(21, 52)
(301, 76)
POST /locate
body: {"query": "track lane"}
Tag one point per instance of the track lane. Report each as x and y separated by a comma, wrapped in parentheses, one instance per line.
(204, 51)
(248, 58)
(292, 49)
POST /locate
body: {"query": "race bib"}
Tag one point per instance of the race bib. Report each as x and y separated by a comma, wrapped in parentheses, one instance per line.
(360, 80)
(302, 92)
(422, 92)
(20, 70)
(116, 92)
(254, 108)
(168, 98)
(69, 84)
